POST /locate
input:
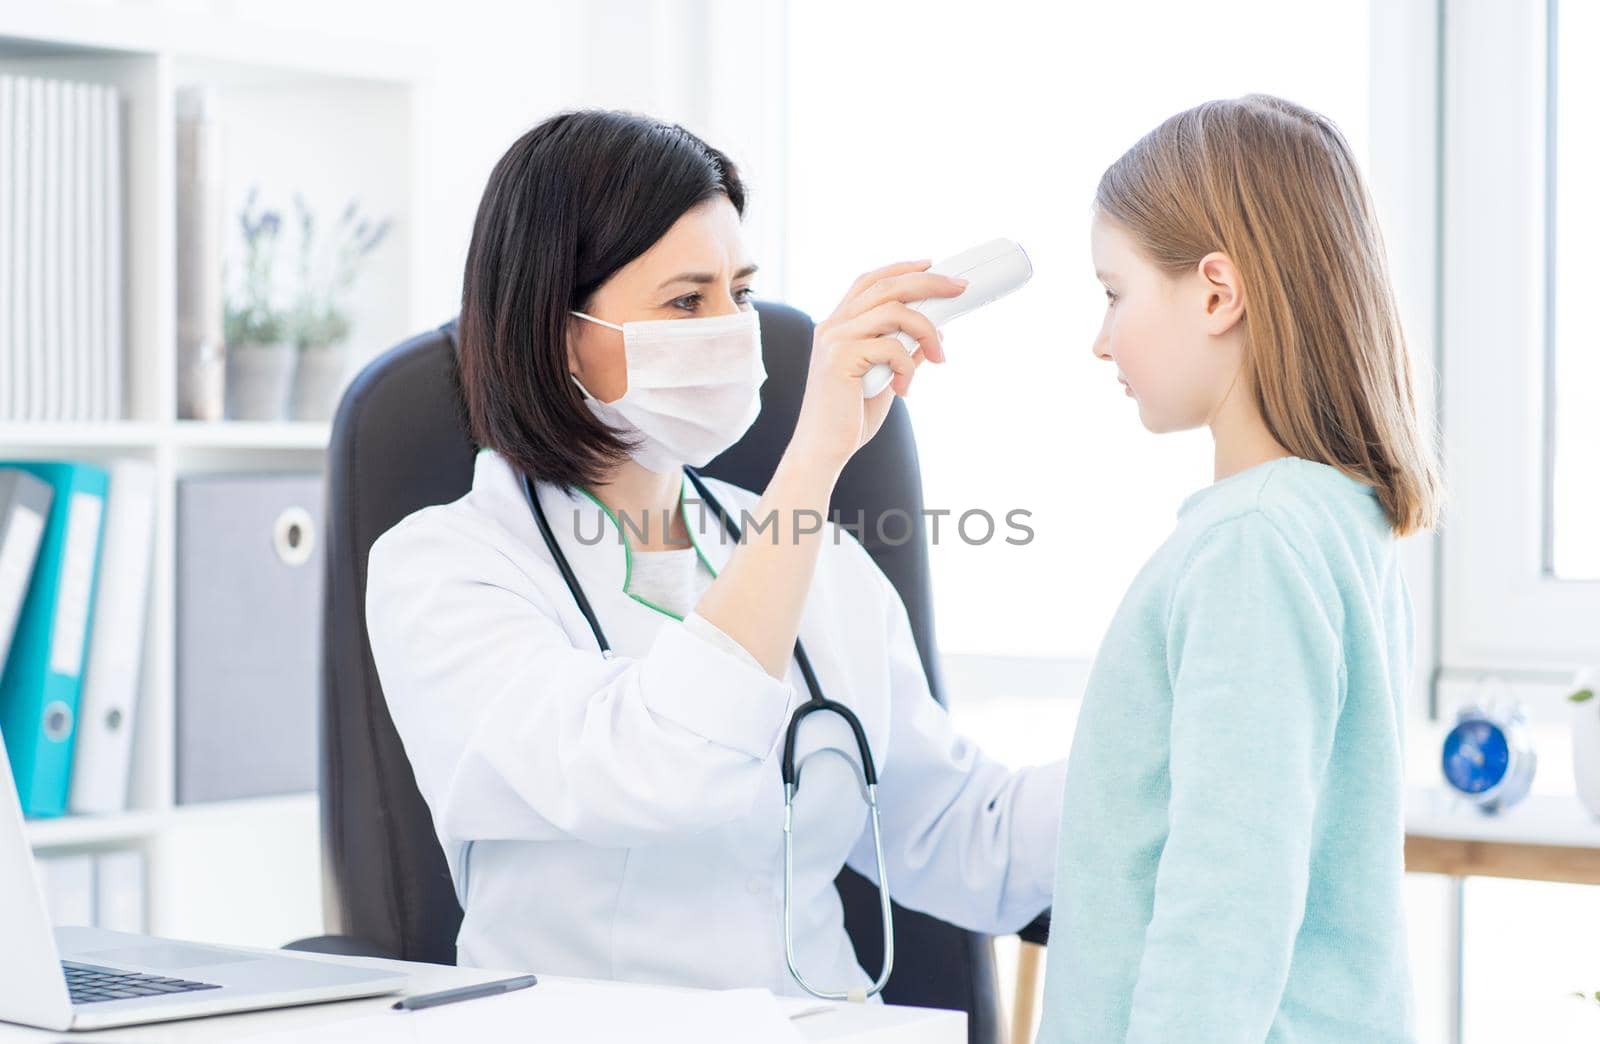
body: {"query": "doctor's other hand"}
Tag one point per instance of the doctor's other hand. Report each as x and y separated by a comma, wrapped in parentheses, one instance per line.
(835, 420)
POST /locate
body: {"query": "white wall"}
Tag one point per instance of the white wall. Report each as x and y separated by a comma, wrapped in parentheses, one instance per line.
(494, 69)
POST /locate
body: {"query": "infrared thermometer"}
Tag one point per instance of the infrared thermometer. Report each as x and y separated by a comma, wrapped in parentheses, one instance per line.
(992, 270)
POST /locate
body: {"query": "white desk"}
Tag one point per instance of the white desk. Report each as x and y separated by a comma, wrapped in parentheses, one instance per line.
(845, 1024)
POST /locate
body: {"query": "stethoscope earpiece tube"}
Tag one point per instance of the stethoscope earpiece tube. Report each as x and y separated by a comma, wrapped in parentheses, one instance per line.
(565, 569)
(869, 774)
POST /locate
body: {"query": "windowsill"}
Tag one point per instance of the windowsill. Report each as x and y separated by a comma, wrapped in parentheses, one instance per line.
(1539, 819)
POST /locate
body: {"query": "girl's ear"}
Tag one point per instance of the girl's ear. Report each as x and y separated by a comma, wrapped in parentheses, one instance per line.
(1224, 293)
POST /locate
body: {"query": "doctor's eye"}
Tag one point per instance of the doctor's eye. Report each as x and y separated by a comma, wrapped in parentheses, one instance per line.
(688, 302)
(1111, 296)
(744, 295)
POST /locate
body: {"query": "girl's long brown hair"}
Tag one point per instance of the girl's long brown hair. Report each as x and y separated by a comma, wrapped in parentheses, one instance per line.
(1275, 187)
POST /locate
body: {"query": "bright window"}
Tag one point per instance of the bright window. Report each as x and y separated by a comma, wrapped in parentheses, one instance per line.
(999, 122)
(1523, 962)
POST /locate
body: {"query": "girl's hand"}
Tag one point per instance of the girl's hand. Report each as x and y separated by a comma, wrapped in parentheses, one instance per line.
(835, 420)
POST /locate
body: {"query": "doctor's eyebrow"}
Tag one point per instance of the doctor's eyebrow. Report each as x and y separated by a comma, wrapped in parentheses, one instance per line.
(1104, 276)
(707, 277)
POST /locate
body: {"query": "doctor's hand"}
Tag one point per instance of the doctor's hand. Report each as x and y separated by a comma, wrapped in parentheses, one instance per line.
(835, 420)
(759, 595)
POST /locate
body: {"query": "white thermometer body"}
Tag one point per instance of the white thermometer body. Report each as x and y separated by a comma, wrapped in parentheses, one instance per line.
(992, 270)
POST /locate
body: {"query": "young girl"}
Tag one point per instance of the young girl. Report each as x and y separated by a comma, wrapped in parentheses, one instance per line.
(1231, 841)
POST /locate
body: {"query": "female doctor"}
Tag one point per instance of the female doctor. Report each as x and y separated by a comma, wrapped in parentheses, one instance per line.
(621, 815)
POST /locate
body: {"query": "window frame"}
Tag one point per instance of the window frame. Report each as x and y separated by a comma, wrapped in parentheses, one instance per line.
(1502, 610)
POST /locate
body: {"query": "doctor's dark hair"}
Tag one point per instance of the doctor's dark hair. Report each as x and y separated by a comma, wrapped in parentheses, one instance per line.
(572, 201)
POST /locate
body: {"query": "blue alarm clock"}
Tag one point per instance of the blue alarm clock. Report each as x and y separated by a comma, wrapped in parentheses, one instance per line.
(1489, 757)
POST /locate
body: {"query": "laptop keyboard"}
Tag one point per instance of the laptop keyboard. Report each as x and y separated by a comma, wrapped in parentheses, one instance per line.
(87, 983)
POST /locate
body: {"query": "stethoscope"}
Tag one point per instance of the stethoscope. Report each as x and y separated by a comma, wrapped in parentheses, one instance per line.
(791, 779)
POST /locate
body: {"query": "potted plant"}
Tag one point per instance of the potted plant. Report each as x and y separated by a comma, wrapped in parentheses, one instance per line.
(321, 317)
(260, 359)
(1586, 739)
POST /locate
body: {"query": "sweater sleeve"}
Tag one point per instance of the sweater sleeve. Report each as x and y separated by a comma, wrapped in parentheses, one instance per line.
(1256, 669)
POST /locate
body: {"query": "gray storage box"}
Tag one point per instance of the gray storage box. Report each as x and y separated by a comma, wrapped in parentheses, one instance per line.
(249, 620)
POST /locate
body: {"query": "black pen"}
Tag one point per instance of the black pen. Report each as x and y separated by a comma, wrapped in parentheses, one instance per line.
(482, 989)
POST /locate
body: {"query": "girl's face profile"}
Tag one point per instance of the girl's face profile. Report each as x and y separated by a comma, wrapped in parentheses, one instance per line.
(1163, 331)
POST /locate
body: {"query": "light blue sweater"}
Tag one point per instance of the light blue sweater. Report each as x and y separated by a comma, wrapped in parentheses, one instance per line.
(1232, 836)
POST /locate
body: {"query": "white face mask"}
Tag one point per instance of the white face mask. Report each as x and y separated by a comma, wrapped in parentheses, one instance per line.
(693, 387)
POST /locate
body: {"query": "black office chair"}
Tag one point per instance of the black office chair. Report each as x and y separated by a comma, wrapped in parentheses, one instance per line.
(399, 444)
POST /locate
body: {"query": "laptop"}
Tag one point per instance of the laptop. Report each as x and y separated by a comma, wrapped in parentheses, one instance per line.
(88, 978)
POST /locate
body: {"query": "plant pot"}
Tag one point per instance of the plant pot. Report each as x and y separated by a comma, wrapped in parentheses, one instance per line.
(201, 380)
(318, 380)
(1586, 743)
(259, 376)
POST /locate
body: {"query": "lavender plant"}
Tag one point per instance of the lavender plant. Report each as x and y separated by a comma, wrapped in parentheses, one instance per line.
(328, 270)
(249, 316)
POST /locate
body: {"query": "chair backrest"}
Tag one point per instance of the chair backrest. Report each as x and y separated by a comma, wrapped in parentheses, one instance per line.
(399, 444)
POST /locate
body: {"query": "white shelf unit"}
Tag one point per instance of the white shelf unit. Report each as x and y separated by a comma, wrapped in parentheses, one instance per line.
(334, 119)
(137, 435)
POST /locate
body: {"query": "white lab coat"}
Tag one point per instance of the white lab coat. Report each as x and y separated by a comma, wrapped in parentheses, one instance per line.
(622, 818)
